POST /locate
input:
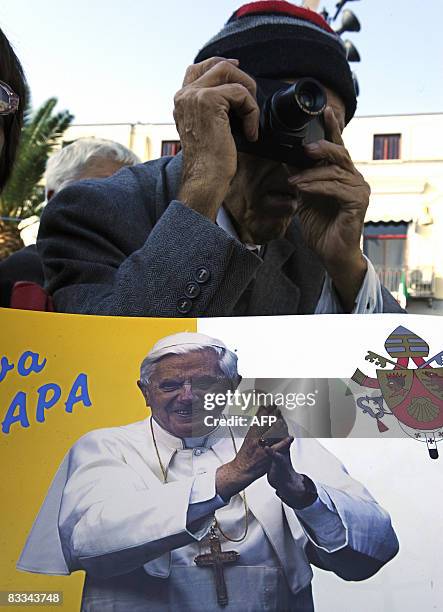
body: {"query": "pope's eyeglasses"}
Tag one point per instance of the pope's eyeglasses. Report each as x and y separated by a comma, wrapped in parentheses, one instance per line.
(197, 383)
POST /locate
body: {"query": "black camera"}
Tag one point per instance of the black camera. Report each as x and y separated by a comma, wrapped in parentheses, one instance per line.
(290, 117)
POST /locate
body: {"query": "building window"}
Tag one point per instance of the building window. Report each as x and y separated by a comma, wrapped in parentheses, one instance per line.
(170, 147)
(386, 146)
(385, 245)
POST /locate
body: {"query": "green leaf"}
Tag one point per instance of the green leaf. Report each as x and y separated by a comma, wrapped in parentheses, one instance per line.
(41, 133)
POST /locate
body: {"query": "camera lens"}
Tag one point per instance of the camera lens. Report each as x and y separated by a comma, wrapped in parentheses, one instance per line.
(306, 99)
(292, 108)
(309, 96)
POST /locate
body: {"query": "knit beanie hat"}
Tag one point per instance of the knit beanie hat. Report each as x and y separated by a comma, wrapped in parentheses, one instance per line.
(275, 39)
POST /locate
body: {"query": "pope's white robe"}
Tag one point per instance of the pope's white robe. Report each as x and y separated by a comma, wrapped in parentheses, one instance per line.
(108, 512)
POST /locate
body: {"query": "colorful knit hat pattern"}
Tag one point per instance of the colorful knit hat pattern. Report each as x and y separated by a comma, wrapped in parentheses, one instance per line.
(276, 39)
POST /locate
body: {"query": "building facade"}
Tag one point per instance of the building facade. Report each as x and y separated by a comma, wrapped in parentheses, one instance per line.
(401, 157)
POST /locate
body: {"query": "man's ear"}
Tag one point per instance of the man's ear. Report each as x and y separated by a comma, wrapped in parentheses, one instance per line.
(144, 389)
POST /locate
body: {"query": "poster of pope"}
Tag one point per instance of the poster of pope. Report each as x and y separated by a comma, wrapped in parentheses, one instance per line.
(168, 514)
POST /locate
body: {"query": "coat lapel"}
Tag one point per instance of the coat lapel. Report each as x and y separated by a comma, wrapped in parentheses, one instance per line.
(274, 292)
(288, 266)
(305, 268)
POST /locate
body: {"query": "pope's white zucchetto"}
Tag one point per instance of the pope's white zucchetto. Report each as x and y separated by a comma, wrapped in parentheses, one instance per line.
(181, 339)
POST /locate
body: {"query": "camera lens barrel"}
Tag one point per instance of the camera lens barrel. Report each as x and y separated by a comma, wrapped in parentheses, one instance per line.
(293, 107)
(290, 117)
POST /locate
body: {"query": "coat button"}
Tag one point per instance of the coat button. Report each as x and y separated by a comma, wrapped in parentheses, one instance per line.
(192, 290)
(202, 275)
(184, 305)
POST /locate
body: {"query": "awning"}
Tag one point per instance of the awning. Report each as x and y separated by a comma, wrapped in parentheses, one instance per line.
(394, 207)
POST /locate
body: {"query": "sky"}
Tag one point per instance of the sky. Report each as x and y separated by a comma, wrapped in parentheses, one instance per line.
(109, 61)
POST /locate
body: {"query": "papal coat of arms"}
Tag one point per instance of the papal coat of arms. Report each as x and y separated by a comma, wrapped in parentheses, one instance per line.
(414, 395)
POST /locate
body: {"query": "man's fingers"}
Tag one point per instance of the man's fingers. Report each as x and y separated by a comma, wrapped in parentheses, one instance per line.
(325, 173)
(256, 430)
(333, 131)
(195, 71)
(239, 88)
(331, 152)
(341, 193)
(281, 447)
(225, 71)
(210, 104)
(333, 181)
(269, 434)
(266, 411)
(244, 106)
(277, 450)
(278, 429)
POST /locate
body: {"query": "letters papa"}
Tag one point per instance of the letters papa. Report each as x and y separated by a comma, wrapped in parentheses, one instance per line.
(47, 394)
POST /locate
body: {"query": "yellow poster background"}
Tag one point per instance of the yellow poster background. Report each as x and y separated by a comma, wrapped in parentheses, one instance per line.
(109, 351)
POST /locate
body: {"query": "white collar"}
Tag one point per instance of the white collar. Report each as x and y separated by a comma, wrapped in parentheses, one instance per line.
(223, 220)
(167, 439)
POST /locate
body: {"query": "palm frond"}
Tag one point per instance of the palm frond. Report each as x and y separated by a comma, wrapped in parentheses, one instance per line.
(41, 133)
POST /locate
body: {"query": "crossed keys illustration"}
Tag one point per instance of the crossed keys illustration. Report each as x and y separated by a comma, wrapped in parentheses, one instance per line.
(413, 395)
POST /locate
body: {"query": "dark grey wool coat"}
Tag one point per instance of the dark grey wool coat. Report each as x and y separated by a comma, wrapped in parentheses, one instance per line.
(125, 246)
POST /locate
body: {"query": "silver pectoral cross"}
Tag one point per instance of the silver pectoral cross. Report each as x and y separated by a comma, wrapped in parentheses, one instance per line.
(217, 559)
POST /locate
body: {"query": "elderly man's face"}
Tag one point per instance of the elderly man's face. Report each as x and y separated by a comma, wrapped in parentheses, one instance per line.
(259, 198)
(177, 388)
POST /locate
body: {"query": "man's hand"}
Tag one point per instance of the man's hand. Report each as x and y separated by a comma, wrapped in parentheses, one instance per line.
(211, 90)
(289, 485)
(252, 460)
(333, 200)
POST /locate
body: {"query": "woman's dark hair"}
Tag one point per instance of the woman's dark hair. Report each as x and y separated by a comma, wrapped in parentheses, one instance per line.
(11, 72)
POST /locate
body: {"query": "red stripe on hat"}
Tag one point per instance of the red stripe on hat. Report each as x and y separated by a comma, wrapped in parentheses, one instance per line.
(280, 6)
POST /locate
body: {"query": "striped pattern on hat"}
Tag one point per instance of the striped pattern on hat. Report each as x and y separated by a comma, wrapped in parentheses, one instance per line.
(280, 6)
(276, 39)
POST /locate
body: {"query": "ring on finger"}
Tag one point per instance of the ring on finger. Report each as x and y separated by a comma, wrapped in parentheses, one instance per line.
(263, 443)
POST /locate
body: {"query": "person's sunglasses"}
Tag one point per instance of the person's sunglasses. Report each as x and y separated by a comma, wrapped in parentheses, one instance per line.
(9, 101)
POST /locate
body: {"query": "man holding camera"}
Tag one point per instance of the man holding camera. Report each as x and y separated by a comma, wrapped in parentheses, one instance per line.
(256, 216)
